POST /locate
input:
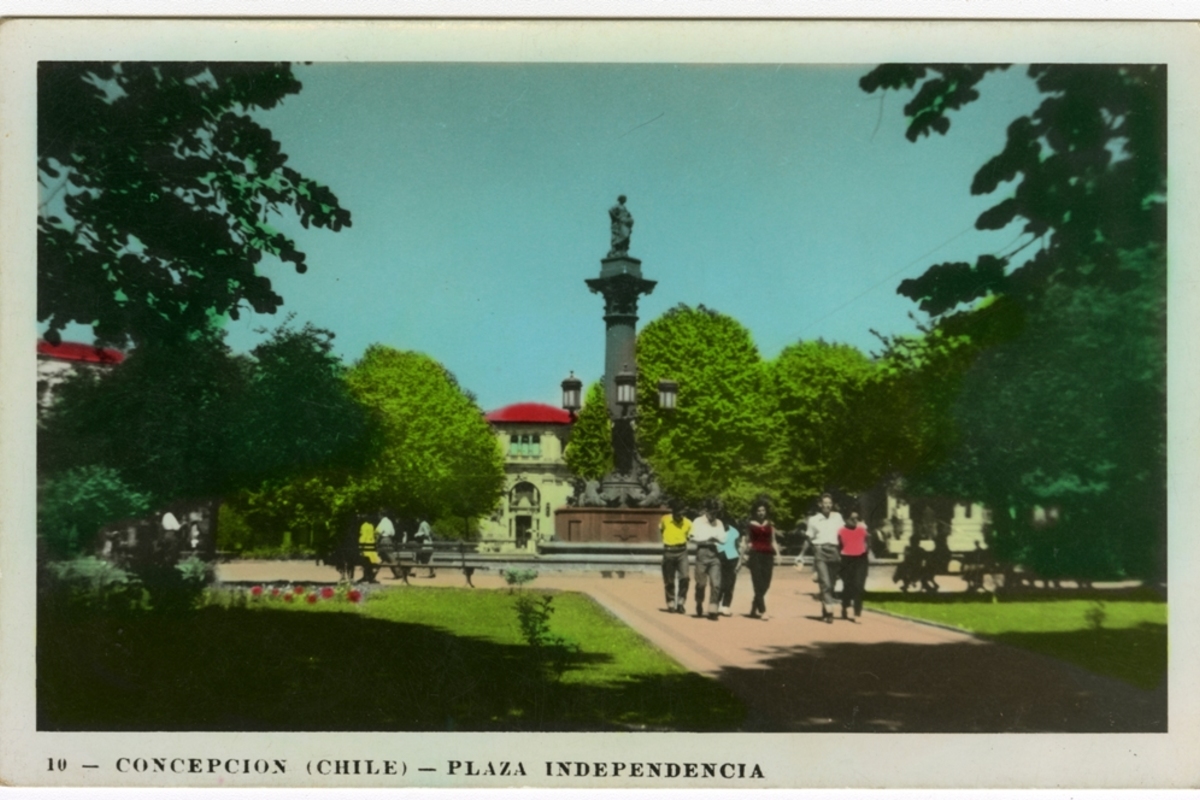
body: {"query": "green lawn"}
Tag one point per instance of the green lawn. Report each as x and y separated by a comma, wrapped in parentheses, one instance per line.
(406, 659)
(1122, 635)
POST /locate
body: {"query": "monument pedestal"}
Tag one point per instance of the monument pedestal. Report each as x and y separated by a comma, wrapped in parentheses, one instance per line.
(603, 524)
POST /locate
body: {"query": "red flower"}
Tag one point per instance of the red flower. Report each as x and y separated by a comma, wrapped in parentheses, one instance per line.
(274, 591)
(256, 591)
(327, 592)
(354, 595)
(287, 598)
(298, 589)
(312, 598)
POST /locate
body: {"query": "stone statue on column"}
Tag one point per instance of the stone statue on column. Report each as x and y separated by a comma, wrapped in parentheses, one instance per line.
(622, 227)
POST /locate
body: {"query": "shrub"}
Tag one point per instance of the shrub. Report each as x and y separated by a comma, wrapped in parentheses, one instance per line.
(550, 653)
(91, 582)
(73, 505)
(519, 577)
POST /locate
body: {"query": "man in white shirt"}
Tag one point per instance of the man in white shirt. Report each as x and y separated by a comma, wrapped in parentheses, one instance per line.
(822, 532)
(708, 534)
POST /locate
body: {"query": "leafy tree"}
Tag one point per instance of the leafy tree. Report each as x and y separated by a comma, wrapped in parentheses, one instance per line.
(589, 454)
(1066, 410)
(439, 456)
(1072, 420)
(297, 412)
(827, 413)
(160, 193)
(1089, 166)
(191, 420)
(716, 438)
(75, 504)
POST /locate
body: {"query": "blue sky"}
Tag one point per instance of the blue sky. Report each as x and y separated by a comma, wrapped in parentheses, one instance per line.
(781, 195)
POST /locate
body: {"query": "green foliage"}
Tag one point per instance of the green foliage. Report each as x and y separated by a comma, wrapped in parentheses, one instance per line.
(519, 577)
(1071, 416)
(589, 453)
(550, 653)
(1089, 166)
(718, 435)
(439, 455)
(1119, 634)
(463, 659)
(457, 529)
(74, 505)
(190, 420)
(1066, 410)
(89, 582)
(828, 411)
(433, 457)
(159, 196)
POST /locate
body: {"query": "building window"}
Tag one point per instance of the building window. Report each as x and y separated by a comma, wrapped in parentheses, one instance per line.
(525, 444)
(524, 494)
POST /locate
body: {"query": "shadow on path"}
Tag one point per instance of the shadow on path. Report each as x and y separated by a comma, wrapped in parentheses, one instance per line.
(953, 687)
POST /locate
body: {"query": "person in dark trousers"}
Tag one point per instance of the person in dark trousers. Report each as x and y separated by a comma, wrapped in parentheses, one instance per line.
(675, 529)
(852, 543)
(823, 530)
(729, 553)
(762, 553)
(708, 532)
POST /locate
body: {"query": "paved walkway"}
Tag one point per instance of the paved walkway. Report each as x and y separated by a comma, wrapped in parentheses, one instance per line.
(797, 673)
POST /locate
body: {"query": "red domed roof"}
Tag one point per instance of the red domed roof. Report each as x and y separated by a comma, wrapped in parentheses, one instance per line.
(75, 351)
(530, 412)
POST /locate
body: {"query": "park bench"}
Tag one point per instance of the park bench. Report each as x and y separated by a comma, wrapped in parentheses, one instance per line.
(404, 563)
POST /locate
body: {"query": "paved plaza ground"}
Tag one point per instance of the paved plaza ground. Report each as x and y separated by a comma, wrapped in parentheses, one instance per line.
(797, 673)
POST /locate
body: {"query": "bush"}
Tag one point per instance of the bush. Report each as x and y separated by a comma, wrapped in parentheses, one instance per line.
(74, 505)
(550, 653)
(519, 577)
(91, 582)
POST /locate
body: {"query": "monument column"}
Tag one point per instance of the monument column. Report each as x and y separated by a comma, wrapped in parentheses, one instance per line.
(621, 283)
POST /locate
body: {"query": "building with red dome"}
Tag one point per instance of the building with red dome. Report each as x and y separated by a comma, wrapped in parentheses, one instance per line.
(537, 481)
(57, 362)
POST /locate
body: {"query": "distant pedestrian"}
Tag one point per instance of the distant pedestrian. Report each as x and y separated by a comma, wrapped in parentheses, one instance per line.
(385, 538)
(708, 533)
(823, 530)
(424, 539)
(675, 529)
(760, 558)
(730, 555)
(852, 544)
(366, 543)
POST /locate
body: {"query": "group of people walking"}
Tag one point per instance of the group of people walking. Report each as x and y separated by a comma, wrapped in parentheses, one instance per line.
(721, 551)
(839, 547)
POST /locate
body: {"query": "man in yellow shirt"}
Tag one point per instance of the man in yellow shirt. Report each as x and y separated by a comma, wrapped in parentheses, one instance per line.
(675, 529)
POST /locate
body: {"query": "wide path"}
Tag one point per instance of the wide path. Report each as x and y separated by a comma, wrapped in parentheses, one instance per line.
(797, 673)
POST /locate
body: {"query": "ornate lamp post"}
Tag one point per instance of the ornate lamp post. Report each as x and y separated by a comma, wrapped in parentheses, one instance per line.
(572, 389)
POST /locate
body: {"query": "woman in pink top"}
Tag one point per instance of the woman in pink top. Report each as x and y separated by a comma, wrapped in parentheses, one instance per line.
(852, 542)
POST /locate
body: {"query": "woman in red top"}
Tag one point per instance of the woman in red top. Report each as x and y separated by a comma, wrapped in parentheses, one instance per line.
(852, 541)
(764, 549)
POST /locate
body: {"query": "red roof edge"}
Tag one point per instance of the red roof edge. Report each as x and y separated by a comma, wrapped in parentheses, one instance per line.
(77, 351)
(530, 413)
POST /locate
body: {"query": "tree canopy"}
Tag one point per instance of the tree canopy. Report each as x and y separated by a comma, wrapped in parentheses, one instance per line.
(719, 431)
(160, 196)
(827, 416)
(1089, 173)
(191, 420)
(589, 453)
(1054, 369)
(438, 456)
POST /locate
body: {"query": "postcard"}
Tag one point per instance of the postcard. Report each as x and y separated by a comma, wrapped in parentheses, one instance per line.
(598, 404)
